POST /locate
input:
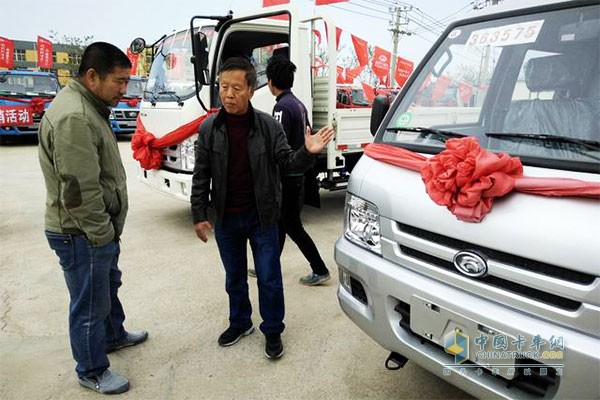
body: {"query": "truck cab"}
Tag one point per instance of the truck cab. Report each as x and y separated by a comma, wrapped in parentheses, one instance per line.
(19, 91)
(123, 117)
(498, 296)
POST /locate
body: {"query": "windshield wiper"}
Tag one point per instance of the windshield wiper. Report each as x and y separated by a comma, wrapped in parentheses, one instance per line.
(171, 93)
(440, 134)
(590, 144)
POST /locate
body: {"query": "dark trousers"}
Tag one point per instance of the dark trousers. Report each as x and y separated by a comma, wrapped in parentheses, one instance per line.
(95, 312)
(232, 235)
(291, 223)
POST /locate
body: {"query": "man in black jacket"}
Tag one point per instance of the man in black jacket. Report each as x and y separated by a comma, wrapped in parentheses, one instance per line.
(239, 154)
(292, 114)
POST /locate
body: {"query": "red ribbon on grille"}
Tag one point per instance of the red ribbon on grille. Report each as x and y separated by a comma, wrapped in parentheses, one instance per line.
(466, 177)
(147, 149)
(37, 104)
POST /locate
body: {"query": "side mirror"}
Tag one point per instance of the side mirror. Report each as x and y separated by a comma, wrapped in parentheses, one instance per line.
(381, 105)
(200, 57)
(137, 45)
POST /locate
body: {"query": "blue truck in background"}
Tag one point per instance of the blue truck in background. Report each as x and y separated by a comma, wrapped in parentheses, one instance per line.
(24, 95)
(124, 116)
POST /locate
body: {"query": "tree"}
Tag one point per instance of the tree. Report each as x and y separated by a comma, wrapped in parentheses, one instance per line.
(73, 46)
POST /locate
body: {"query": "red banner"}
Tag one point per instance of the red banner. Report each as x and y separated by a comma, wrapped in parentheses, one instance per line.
(404, 68)
(354, 72)
(269, 3)
(440, 87)
(342, 75)
(361, 49)
(7, 50)
(381, 63)
(44, 53)
(325, 2)
(15, 115)
(338, 33)
(133, 58)
(465, 92)
(369, 92)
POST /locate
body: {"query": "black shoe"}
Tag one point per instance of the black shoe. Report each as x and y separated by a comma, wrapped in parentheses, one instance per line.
(130, 339)
(233, 335)
(273, 346)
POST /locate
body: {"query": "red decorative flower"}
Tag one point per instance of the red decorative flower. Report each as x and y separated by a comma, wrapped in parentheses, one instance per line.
(465, 178)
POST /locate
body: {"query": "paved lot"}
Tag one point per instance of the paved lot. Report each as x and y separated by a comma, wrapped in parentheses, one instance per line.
(174, 288)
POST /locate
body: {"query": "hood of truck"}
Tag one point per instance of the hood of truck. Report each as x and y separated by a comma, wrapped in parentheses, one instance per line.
(561, 231)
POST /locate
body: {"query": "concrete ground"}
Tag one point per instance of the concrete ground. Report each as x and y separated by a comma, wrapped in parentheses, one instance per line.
(173, 286)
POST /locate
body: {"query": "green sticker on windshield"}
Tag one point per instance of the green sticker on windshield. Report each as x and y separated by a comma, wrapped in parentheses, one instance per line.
(404, 119)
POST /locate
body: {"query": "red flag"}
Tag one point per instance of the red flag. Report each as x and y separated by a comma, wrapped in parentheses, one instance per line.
(325, 2)
(440, 87)
(465, 92)
(133, 58)
(404, 68)
(318, 36)
(7, 50)
(361, 49)
(381, 63)
(338, 33)
(354, 72)
(369, 92)
(44, 52)
(342, 75)
(269, 3)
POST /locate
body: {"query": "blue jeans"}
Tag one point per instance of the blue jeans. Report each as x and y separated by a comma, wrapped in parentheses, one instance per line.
(95, 313)
(232, 235)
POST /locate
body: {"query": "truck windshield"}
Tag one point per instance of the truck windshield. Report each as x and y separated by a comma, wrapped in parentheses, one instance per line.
(172, 74)
(28, 85)
(514, 83)
(135, 88)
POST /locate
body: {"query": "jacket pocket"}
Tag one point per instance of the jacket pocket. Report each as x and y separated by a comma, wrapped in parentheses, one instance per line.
(112, 202)
(62, 244)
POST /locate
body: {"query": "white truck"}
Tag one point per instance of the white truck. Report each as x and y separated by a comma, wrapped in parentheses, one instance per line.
(507, 307)
(173, 98)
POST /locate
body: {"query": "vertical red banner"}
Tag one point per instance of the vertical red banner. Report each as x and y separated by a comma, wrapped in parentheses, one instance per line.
(404, 68)
(7, 53)
(44, 53)
(361, 49)
(338, 33)
(133, 58)
(381, 63)
(442, 83)
(465, 92)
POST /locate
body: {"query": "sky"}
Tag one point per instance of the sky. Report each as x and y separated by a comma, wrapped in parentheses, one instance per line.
(119, 22)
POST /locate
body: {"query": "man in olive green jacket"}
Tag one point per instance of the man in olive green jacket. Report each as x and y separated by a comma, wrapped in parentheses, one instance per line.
(86, 206)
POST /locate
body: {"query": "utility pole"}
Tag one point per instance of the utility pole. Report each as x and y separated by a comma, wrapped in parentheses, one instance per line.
(397, 25)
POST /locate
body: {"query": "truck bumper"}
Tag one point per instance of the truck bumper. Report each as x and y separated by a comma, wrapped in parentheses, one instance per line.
(174, 184)
(377, 295)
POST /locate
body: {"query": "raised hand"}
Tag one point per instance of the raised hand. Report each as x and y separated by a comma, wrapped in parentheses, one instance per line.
(316, 143)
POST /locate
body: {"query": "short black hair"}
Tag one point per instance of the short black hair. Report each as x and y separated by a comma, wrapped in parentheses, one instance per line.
(240, 64)
(280, 71)
(103, 58)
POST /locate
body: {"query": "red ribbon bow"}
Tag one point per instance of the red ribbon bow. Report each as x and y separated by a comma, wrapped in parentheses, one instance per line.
(466, 177)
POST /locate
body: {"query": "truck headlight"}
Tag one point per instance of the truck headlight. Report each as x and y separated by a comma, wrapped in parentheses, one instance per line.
(361, 223)
(188, 153)
(112, 114)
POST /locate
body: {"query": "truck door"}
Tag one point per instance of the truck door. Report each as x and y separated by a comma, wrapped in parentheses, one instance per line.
(256, 37)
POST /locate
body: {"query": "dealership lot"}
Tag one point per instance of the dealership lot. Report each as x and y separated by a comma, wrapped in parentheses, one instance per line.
(173, 286)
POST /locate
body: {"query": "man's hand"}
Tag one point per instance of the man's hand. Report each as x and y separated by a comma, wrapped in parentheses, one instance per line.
(317, 142)
(201, 228)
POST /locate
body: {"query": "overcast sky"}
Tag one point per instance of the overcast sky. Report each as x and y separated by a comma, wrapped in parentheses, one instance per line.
(120, 21)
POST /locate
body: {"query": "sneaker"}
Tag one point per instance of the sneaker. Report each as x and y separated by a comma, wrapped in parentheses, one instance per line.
(130, 339)
(233, 335)
(314, 279)
(273, 346)
(252, 272)
(107, 383)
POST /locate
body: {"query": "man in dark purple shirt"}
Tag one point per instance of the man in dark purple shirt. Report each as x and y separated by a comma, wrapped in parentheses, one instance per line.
(292, 114)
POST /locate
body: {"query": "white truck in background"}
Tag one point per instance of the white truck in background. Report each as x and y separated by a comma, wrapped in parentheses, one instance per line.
(508, 307)
(173, 97)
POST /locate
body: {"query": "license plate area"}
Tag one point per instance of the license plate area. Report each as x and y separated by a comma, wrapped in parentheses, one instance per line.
(438, 324)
